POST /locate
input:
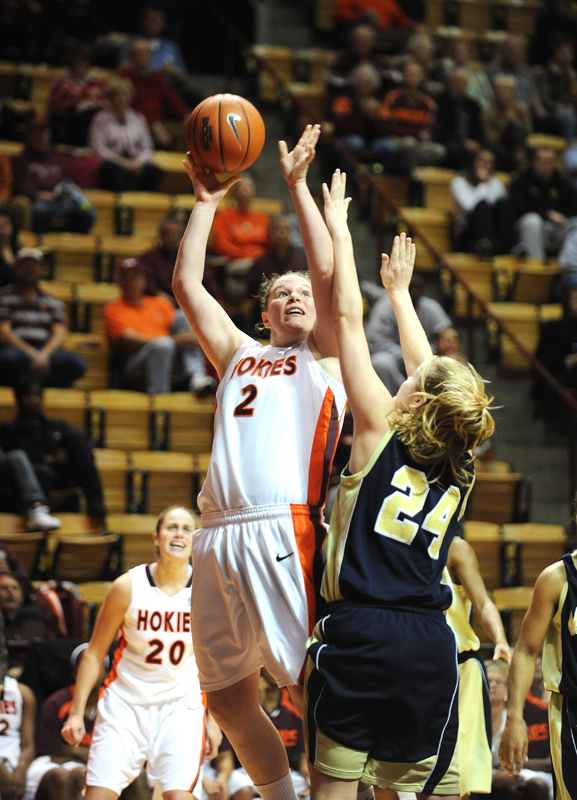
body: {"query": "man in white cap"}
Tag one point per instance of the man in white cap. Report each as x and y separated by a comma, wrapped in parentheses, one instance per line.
(33, 327)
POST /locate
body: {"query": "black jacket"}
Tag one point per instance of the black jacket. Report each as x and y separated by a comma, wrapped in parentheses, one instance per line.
(529, 194)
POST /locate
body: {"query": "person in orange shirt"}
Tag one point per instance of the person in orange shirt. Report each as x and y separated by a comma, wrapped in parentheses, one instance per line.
(240, 235)
(140, 330)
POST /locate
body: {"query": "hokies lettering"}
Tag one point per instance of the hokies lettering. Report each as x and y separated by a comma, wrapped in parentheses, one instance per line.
(8, 707)
(263, 368)
(172, 621)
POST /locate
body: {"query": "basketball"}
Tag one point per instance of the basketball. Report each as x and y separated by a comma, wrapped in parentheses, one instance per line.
(225, 133)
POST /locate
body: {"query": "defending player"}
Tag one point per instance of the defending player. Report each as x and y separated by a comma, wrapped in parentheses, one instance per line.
(381, 682)
(279, 411)
(151, 709)
(551, 619)
(470, 595)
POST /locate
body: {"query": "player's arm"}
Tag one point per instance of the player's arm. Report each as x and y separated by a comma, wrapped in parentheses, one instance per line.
(462, 562)
(513, 749)
(106, 627)
(27, 750)
(369, 399)
(316, 237)
(217, 334)
(213, 738)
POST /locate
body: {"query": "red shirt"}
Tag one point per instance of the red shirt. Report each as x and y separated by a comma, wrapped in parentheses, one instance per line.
(154, 98)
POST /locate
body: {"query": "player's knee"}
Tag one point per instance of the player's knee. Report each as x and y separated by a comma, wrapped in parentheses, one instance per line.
(536, 789)
(57, 784)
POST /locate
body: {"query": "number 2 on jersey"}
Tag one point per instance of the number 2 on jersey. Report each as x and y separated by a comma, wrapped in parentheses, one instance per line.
(244, 409)
(175, 652)
(410, 501)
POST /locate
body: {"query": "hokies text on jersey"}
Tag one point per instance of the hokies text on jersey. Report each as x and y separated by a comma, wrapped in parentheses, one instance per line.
(264, 368)
(171, 621)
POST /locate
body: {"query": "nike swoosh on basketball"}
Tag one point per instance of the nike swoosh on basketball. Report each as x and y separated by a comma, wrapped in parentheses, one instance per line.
(282, 558)
(232, 119)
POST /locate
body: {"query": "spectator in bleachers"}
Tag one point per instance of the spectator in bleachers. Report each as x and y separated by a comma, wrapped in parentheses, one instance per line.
(158, 266)
(121, 137)
(23, 622)
(153, 97)
(74, 99)
(484, 219)
(393, 20)
(360, 50)
(459, 123)
(166, 56)
(408, 123)
(557, 85)
(8, 247)
(421, 48)
(383, 338)
(557, 19)
(511, 62)
(478, 86)
(60, 453)
(33, 328)
(507, 124)
(239, 234)
(545, 208)
(42, 180)
(356, 115)
(18, 480)
(141, 331)
(555, 350)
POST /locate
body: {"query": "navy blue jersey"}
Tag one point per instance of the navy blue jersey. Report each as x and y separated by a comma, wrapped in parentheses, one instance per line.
(560, 650)
(391, 530)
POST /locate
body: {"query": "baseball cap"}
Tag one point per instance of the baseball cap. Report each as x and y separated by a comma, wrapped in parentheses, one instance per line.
(130, 264)
(30, 252)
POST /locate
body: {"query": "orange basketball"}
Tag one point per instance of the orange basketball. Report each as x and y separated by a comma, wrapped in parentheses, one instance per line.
(225, 133)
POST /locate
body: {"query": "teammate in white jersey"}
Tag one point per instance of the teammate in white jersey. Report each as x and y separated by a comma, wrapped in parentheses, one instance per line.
(152, 708)
(279, 413)
(21, 775)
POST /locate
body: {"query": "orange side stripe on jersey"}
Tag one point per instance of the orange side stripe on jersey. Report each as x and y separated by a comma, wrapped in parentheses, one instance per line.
(306, 540)
(323, 450)
(201, 758)
(112, 675)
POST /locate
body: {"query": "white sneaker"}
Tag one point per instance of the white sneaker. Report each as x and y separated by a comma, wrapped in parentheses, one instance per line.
(202, 385)
(40, 519)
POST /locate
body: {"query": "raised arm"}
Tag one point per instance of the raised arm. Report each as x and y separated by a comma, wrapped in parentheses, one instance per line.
(396, 277)
(217, 334)
(464, 569)
(316, 237)
(514, 743)
(369, 399)
(107, 624)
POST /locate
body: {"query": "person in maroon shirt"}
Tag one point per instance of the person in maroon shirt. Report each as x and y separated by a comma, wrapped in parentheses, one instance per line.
(22, 622)
(153, 97)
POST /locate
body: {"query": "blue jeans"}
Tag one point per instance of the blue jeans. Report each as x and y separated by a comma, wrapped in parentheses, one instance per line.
(65, 367)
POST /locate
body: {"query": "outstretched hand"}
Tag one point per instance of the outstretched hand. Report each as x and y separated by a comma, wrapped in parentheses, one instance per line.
(295, 164)
(397, 269)
(336, 204)
(206, 185)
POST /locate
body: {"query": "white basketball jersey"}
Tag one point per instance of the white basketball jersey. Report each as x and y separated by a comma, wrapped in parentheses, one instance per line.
(277, 423)
(10, 723)
(154, 662)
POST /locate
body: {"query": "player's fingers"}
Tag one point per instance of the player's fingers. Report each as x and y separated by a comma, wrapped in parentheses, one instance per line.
(282, 148)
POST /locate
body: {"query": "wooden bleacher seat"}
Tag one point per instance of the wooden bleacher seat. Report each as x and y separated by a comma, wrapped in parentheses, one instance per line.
(498, 498)
(119, 419)
(73, 255)
(92, 594)
(11, 523)
(7, 404)
(491, 465)
(397, 187)
(113, 466)
(436, 187)
(478, 274)
(86, 558)
(182, 422)
(94, 348)
(434, 225)
(539, 545)
(280, 60)
(550, 311)
(485, 539)
(512, 602)
(65, 291)
(90, 300)
(175, 178)
(556, 143)
(530, 281)
(523, 320)
(114, 249)
(160, 479)
(105, 204)
(201, 462)
(27, 547)
(67, 404)
(41, 78)
(77, 524)
(140, 213)
(10, 148)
